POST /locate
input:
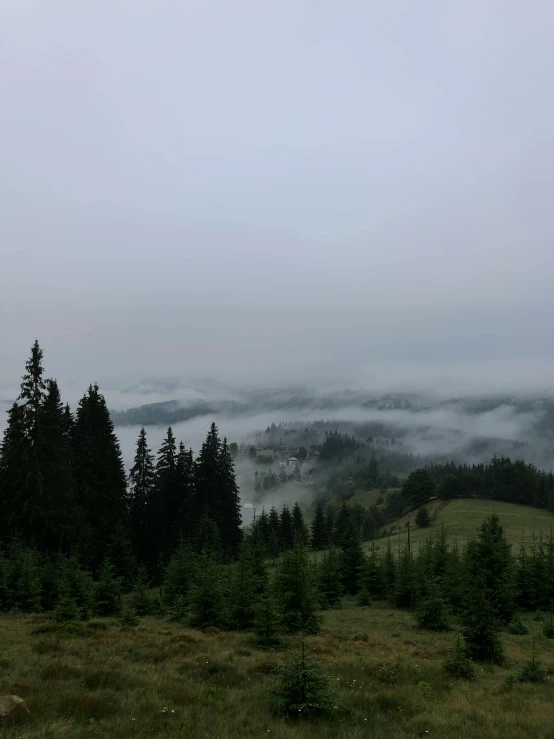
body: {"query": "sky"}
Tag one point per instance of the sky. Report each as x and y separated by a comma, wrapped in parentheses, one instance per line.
(277, 190)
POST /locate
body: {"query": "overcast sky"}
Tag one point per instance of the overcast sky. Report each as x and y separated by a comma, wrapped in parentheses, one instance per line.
(276, 188)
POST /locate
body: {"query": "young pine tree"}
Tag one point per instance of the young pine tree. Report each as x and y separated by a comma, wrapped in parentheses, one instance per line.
(489, 560)
(389, 569)
(373, 576)
(422, 519)
(141, 602)
(301, 535)
(206, 592)
(303, 691)
(481, 625)
(352, 561)
(295, 593)
(343, 525)
(106, 592)
(76, 584)
(318, 527)
(459, 664)
(405, 586)
(330, 580)
(432, 613)
(286, 530)
(25, 579)
(243, 590)
(267, 625)
(178, 576)
(533, 671)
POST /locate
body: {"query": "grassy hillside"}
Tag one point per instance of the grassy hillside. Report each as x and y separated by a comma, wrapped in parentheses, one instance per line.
(161, 680)
(461, 519)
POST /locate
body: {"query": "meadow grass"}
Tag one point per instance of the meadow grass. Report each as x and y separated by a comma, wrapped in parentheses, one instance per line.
(462, 518)
(164, 680)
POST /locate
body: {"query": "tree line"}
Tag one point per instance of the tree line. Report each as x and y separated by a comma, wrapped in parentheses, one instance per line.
(481, 586)
(64, 488)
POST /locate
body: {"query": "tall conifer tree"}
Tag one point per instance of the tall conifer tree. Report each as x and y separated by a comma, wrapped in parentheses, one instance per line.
(99, 474)
(141, 494)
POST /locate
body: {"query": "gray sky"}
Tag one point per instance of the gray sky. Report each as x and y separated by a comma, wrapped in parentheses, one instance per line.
(276, 188)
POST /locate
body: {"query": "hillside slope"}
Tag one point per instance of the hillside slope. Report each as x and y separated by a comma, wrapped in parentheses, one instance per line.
(462, 517)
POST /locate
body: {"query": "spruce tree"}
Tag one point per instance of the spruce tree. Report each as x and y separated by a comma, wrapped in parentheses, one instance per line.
(5, 593)
(141, 497)
(183, 525)
(25, 581)
(164, 503)
(262, 528)
(389, 569)
(352, 561)
(301, 535)
(303, 690)
(432, 611)
(99, 474)
(405, 586)
(141, 602)
(178, 575)
(274, 539)
(343, 525)
(106, 591)
(243, 590)
(228, 516)
(14, 454)
(373, 576)
(489, 558)
(207, 475)
(295, 592)
(422, 519)
(120, 553)
(206, 537)
(330, 525)
(37, 503)
(74, 584)
(31, 398)
(319, 529)
(481, 625)
(286, 529)
(61, 515)
(206, 592)
(267, 626)
(330, 580)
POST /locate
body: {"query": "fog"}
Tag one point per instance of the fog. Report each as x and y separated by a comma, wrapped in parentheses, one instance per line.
(278, 192)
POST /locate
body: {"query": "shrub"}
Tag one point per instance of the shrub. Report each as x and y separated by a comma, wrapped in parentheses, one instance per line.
(389, 672)
(516, 626)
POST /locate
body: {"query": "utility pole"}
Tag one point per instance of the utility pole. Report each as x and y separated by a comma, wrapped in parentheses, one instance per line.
(409, 548)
